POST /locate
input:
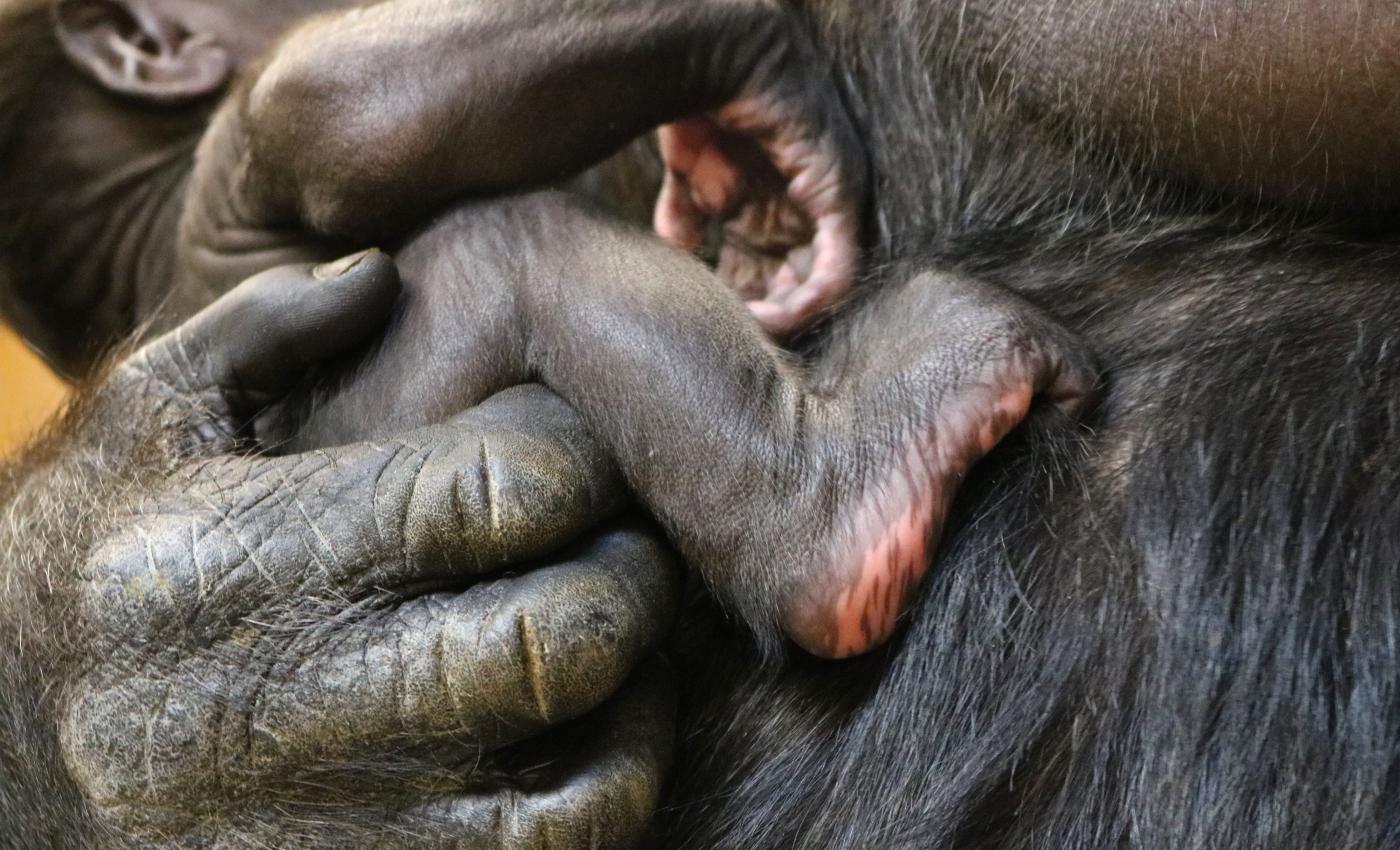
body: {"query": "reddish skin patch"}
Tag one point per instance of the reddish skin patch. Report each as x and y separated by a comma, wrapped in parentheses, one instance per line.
(896, 532)
(864, 615)
(742, 164)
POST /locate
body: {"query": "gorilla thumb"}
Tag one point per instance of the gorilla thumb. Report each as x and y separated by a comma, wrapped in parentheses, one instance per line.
(255, 343)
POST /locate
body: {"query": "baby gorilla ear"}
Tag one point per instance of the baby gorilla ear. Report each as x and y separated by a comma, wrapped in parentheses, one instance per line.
(141, 48)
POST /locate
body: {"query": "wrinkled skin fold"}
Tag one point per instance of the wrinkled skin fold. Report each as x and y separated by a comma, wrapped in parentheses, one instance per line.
(317, 648)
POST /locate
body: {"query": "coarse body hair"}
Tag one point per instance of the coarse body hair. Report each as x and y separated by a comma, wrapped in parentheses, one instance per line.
(1176, 628)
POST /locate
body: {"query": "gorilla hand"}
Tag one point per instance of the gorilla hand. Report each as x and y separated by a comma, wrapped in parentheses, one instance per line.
(232, 650)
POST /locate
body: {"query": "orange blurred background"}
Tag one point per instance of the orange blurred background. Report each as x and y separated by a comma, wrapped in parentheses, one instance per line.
(29, 393)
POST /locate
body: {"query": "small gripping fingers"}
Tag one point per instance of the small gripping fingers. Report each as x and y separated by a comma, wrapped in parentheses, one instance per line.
(783, 168)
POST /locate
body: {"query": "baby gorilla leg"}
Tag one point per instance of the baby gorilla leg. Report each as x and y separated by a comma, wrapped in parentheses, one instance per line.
(813, 508)
(810, 509)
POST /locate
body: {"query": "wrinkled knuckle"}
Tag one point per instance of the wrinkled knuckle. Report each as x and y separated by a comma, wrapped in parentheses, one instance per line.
(443, 489)
(136, 742)
(165, 386)
(101, 744)
(129, 582)
(471, 493)
(164, 368)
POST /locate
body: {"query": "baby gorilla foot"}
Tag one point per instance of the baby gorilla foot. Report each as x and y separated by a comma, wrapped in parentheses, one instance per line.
(973, 383)
(781, 166)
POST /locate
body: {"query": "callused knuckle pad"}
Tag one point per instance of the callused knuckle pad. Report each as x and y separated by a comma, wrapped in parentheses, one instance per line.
(492, 663)
(495, 498)
(195, 560)
(147, 738)
(134, 582)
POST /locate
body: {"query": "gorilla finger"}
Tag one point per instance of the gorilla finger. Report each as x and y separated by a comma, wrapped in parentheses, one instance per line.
(534, 651)
(511, 480)
(514, 478)
(494, 664)
(253, 344)
(603, 794)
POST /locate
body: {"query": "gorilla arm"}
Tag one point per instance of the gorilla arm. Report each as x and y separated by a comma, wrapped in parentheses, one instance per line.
(196, 653)
(347, 126)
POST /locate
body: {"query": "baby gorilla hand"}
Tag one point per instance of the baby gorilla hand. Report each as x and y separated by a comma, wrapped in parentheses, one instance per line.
(319, 650)
(780, 165)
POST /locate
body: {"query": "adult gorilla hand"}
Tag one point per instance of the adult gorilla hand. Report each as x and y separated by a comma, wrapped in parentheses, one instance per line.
(230, 649)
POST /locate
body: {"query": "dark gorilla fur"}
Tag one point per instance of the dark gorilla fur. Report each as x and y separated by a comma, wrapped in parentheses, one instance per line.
(62, 493)
(1181, 634)
(1177, 629)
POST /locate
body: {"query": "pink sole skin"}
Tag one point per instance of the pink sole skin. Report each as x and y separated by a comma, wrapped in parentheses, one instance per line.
(896, 530)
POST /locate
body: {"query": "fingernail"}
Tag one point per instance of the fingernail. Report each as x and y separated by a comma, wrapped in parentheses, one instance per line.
(342, 266)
